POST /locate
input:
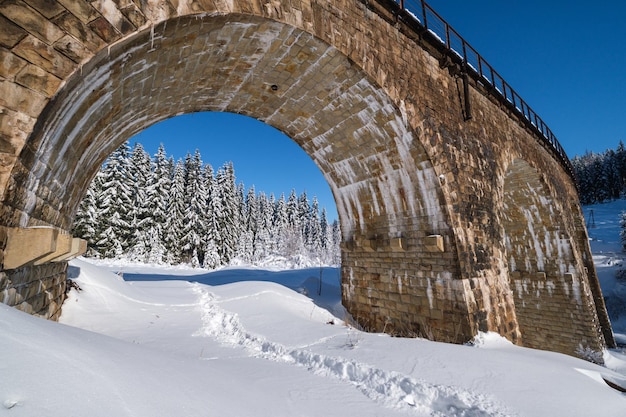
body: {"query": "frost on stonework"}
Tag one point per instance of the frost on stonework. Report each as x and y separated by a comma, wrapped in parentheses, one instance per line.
(587, 353)
(155, 210)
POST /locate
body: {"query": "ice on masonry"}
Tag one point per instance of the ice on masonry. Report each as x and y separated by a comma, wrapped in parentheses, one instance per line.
(429, 293)
(576, 290)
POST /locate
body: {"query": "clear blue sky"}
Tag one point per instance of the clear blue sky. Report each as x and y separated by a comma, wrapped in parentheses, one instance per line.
(567, 59)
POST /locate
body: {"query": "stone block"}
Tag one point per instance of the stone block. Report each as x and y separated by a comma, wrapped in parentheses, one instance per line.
(368, 245)
(434, 243)
(398, 244)
(45, 56)
(28, 19)
(62, 248)
(37, 79)
(11, 34)
(26, 245)
(20, 99)
(77, 248)
(10, 64)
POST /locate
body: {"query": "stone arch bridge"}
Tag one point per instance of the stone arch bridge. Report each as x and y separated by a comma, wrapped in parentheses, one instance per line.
(458, 210)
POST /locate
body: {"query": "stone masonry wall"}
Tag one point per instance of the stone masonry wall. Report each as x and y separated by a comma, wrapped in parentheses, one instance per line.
(37, 290)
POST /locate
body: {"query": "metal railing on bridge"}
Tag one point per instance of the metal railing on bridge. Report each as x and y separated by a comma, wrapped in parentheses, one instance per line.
(419, 15)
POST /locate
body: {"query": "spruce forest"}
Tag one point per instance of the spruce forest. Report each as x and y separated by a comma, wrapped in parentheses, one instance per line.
(155, 210)
(601, 176)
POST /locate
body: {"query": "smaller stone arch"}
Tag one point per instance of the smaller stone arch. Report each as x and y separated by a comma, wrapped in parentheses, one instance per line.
(551, 288)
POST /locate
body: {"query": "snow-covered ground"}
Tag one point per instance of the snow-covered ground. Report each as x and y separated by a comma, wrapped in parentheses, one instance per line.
(251, 342)
(603, 227)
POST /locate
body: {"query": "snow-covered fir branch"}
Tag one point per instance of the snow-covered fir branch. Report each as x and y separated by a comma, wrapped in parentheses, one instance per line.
(156, 211)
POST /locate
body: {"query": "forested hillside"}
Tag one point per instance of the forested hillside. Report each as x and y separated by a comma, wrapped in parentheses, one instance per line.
(601, 176)
(156, 210)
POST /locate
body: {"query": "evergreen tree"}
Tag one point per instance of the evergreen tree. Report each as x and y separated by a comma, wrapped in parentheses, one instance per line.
(620, 160)
(264, 223)
(611, 174)
(176, 216)
(195, 207)
(623, 230)
(155, 211)
(227, 218)
(140, 214)
(86, 219)
(212, 234)
(280, 225)
(314, 233)
(113, 205)
(251, 226)
(158, 196)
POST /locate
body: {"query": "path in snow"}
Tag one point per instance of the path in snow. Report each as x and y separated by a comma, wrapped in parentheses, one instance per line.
(392, 389)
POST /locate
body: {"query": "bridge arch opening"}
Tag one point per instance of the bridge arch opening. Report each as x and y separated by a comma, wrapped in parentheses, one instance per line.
(210, 189)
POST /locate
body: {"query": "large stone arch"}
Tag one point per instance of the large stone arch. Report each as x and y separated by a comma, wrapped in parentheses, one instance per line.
(371, 100)
(387, 193)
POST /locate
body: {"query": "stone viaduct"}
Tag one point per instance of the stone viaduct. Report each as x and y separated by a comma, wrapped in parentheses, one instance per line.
(457, 208)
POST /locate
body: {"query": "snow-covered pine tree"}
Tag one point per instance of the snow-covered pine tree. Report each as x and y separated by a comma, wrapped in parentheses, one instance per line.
(161, 200)
(211, 237)
(262, 244)
(336, 243)
(599, 179)
(86, 219)
(228, 218)
(582, 177)
(113, 206)
(611, 173)
(326, 238)
(158, 195)
(304, 219)
(314, 233)
(195, 207)
(247, 248)
(294, 237)
(176, 216)
(140, 213)
(280, 225)
(620, 161)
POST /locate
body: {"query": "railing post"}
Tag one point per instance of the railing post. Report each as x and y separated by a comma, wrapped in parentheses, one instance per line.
(468, 107)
